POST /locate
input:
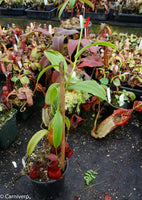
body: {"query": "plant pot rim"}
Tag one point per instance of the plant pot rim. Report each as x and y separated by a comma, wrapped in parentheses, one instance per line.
(9, 118)
(39, 11)
(50, 181)
(90, 24)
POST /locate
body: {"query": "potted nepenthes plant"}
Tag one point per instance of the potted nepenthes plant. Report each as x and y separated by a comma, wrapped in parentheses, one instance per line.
(8, 129)
(100, 12)
(46, 165)
(130, 11)
(12, 7)
(44, 9)
(74, 7)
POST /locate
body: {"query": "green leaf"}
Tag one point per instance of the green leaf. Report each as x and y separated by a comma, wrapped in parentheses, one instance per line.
(24, 80)
(116, 82)
(38, 66)
(71, 3)
(47, 96)
(14, 79)
(104, 86)
(34, 52)
(35, 139)
(104, 81)
(61, 8)
(53, 94)
(107, 44)
(91, 87)
(89, 3)
(57, 128)
(132, 95)
(44, 70)
(55, 58)
(5, 59)
(140, 11)
(67, 122)
(27, 72)
(57, 99)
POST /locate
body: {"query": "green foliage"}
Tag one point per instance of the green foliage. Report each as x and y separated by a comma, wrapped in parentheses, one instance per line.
(89, 3)
(53, 94)
(89, 176)
(14, 79)
(61, 8)
(67, 122)
(44, 70)
(27, 72)
(106, 44)
(35, 139)
(57, 128)
(55, 58)
(71, 3)
(91, 87)
(129, 94)
(104, 81)
(24, 80)
(116, 82)
(34, 53)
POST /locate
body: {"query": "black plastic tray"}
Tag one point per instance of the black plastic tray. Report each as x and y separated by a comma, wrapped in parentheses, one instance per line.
(129, 18)
(97, 16)
(112, 14)
(12, 11)
(137, 91)
(36, 14)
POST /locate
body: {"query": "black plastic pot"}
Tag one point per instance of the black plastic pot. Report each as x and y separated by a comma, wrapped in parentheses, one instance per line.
(128, 11)
(111, 108)
(79, 29)
(49, 7)
(2, 77)
(112, 14)
(36, 14)
(25, 114)
(65, 15)
(8, 131)
(50, 189)
(12, 11)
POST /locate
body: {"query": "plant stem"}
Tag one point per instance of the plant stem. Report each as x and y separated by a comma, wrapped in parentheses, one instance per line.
(95, 123)
(62, 100)
(74, 64)
(92, 186)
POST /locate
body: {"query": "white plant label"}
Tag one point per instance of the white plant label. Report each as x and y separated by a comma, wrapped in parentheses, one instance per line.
(108, 95)
(85, 32)
(16, 38)
(45, 2)
(127, 2)
(114, 67)
(121, 99)
(14, 164)
(50, 29)
(15, 47)
(81, 21)
(23, 163)
(20, 64)
(32, 26)
(140, 45)
(73, 74)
